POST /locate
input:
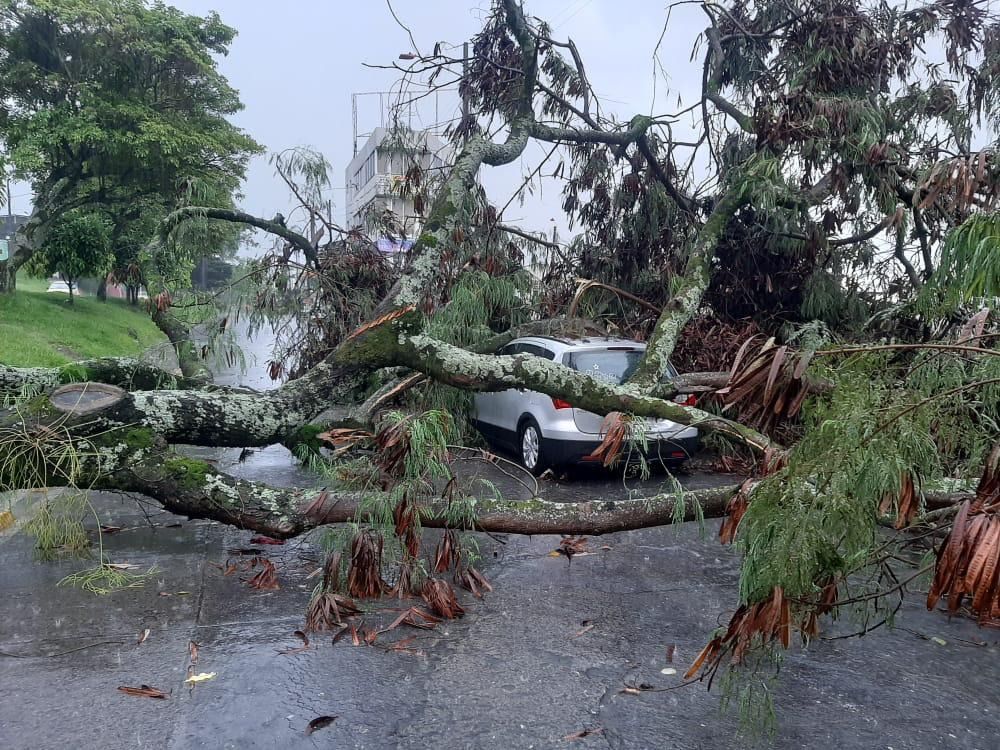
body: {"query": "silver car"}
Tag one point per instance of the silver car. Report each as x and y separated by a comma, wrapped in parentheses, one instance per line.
(548, 432)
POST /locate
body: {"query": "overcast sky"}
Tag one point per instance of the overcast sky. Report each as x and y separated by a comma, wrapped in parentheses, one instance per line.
(297, 62)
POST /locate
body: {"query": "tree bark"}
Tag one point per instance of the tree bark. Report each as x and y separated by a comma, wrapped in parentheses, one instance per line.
(130, 374)
(30, 236)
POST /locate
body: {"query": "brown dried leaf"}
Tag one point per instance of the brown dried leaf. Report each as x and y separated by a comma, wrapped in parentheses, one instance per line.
(143, 691)
(364, 573)
(772, 375)
(440, 599)
(582, 733)
(319, 722)
(616, 431)
(267, 578)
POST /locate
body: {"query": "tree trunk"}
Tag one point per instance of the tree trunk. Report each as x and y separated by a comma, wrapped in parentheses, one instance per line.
(102, 289)
(127, 373)
(8, 278)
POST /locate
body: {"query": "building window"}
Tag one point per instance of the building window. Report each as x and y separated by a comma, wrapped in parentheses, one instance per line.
(366, 171)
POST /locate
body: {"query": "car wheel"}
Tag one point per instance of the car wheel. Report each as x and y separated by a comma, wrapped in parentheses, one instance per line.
(530, 444)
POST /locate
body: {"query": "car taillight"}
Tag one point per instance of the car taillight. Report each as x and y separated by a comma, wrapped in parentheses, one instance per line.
(686, 400)
(558, 403)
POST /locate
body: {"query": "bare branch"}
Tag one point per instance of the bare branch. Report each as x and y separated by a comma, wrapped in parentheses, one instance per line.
(226, 214)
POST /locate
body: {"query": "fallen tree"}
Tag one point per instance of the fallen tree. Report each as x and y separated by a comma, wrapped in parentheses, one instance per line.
(868, 427)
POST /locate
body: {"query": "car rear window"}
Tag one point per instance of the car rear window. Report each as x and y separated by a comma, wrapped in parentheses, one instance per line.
(613, 366)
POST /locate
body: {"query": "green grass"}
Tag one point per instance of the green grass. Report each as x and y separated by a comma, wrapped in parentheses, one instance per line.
(38, 329)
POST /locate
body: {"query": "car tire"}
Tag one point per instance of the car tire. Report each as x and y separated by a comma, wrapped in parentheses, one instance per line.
(529, 444)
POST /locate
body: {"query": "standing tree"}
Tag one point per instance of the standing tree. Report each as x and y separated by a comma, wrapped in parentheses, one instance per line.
(111, 103)
(79, 244)
(841, 187)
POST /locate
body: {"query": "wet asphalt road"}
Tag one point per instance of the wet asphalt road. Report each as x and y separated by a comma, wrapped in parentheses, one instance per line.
(520, 670)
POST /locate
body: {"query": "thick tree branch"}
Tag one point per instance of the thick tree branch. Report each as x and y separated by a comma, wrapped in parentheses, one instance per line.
(899, 252)
(187, 213)
(683, 202)
(464, 369)
(195, 489)
(527, 235)
(636, 129)
(714, 60)
(127, 373)
(687, 297)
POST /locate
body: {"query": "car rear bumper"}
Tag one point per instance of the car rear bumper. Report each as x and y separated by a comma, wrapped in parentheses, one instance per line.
(668, 451)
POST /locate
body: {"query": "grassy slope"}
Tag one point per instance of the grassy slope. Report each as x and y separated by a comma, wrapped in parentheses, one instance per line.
(41, 329)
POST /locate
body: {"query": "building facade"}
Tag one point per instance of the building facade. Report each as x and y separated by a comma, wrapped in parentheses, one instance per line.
(375, 177)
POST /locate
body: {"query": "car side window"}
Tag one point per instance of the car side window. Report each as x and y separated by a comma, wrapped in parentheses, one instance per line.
(538, 351)
(510, 349)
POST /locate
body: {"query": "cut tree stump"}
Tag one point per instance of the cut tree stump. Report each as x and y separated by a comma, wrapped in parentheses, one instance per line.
(84, 398)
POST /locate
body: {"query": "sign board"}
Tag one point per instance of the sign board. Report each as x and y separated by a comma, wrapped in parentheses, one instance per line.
(4, 250)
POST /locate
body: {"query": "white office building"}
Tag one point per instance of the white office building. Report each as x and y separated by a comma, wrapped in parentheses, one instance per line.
(375, 176)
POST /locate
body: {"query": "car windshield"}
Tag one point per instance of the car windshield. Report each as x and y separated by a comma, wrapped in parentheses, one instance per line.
(613, 366)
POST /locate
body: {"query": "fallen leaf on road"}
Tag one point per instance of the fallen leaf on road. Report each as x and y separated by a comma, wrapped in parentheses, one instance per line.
(193, 651)
(472, 580)
(144, 691)
(202, 677)
(571, 546)
(630, 691)
(319, 722)
(305, 644)
(587, 627)
(415, 618)
(267, 578)
(582, 733)
(109, 529)
(265, 540)
(122, 566)
(6, 520)
(340, 634)
(165, 593)
(329, 608)
(671, 650)
(142, 637)
(440, 599)
(354, 635)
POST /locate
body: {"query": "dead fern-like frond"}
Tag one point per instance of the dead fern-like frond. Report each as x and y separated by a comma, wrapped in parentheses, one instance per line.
(364, 576)
(761, 623)
(767, 388)
(968, 562)
(441, 600)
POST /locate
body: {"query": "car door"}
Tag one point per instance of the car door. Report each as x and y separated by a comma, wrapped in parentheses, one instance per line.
(493, 409)
(538, 405)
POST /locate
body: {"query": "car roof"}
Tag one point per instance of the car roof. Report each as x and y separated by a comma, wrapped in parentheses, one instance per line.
(562, 345)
